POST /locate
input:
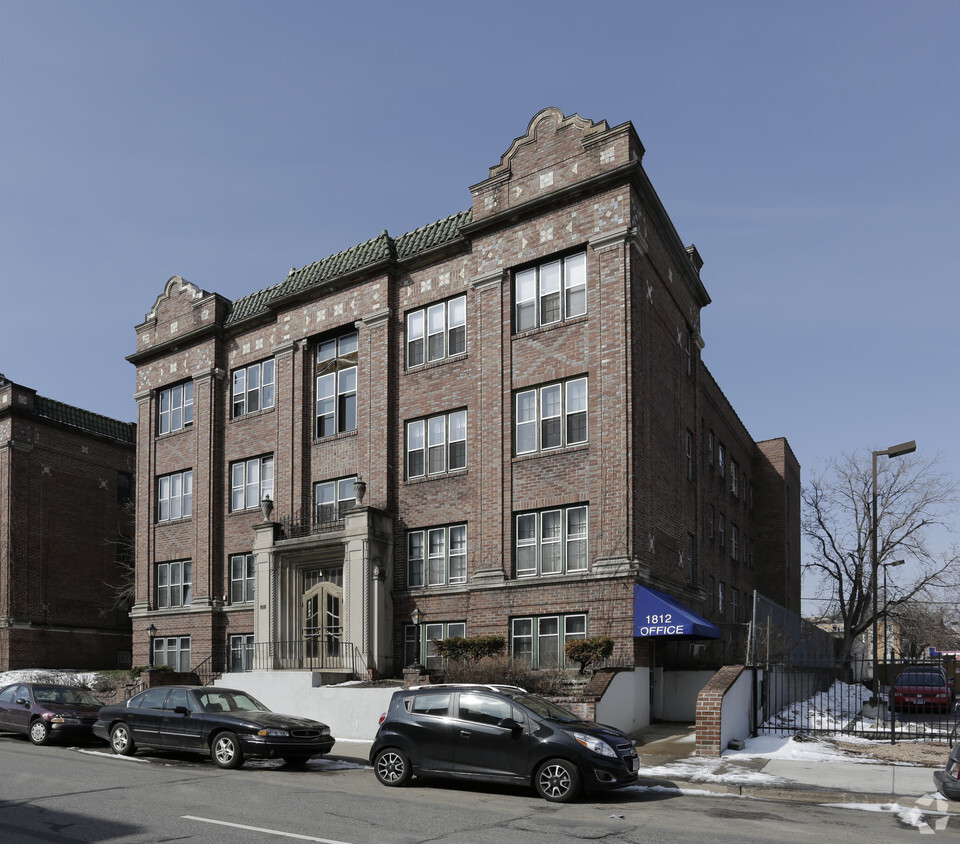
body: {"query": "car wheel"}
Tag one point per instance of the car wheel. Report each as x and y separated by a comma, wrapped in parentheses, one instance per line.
(557, 780)
(392, 767)
(39, 731)
(121, 741)
(226, 751)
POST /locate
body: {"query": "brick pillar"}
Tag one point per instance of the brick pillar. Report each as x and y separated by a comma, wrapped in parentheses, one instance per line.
(710, 707)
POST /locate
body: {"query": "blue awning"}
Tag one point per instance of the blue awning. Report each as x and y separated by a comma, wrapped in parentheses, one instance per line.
(657, 615)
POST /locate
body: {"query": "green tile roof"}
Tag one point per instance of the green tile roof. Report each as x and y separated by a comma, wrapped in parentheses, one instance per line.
(85, 420)
(381, 248)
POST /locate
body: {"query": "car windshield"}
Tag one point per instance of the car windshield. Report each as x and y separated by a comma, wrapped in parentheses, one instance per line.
(64, 694)
(545, 708)
(229, 701)
(918, 679)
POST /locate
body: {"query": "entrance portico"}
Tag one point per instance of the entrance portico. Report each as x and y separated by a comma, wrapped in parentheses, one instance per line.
(323, 597)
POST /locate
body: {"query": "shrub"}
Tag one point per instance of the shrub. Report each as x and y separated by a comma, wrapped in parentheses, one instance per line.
(588, 651)
(505, 670)
(469, 649)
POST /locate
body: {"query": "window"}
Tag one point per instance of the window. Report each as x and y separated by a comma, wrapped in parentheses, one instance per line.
(721, 458)
(176, 408)
(429, 633)
(437, 332)
(441, 553)
(551, 542)
(691, 561)
(250, 482)
(551, 416)
(689, 456)
(243, 573)
(711, 518)
(540, 640)
(334, 498)
(175, 496)
(241, 652)
(713, 593)
(174, 584)
(711, 447)
(173, 651)
(720, 591)
(735, 604)
(437, 445)
(485, 709)
(734, 479)
(551, 292)
(336, 370)
(722, 530)
(253, 387)
(734, 543)
(124, 487)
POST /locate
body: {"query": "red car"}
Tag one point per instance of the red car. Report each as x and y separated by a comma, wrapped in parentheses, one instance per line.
(925, 689)
(44, 710)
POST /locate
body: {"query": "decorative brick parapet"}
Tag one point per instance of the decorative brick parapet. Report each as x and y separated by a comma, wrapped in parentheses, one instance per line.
(709, 710)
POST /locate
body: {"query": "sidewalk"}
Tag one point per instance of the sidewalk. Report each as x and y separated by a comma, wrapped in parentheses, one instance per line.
(667, 761)
(668, 748)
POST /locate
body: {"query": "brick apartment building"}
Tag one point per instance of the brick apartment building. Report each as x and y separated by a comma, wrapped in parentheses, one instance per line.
(66, 487)
(501, 420)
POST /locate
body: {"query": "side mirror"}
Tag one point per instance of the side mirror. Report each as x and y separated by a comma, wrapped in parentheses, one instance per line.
(510, 724)
(22, 701)
(181, 710)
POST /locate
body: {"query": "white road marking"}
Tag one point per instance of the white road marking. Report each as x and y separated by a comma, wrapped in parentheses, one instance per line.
(266, 831)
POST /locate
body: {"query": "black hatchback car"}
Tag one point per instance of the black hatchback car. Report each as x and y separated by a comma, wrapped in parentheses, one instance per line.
(499, 734)
(228, 724)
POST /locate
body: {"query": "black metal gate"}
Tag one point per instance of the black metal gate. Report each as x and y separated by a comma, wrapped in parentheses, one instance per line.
(916, 699)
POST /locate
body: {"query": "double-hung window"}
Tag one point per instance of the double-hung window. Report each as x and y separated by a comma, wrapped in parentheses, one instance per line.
(550, 292)
(174, 584)
(250, 482)
(173, 651)
(243, 571)
(437, 332)
(253, 387)
(428, 635)
(241, 652)
(734, 543)
(551, 542)
(437, 445)
(176, 408)
(437, 556)
(551, 416)
(541, 640)
(175, 496)
(336, 371)
(333, 499)
(734, 479)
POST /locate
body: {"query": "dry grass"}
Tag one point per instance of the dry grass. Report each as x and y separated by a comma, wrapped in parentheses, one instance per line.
(926, 754)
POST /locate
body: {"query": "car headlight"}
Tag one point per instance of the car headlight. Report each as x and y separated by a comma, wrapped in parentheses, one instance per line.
(325, 731)
(273, 733)
(595, 744)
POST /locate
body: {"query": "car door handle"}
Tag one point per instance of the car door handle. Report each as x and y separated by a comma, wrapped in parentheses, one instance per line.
(465, 733)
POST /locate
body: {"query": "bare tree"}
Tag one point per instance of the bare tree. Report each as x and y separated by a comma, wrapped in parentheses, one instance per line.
(915, 501)
(122, 586)
(921, 625)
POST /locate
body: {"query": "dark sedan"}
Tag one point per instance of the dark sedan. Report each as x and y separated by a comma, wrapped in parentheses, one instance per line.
(228, 724)
(43, 711)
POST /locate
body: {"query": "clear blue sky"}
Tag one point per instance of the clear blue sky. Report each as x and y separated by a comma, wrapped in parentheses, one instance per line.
(809, 150)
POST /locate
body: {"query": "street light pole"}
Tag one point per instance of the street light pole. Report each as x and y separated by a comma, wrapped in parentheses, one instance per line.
(893, 451)
(886, 635)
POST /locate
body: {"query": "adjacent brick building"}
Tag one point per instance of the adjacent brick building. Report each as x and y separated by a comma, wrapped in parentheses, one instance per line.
(501, 419)
(66, 525)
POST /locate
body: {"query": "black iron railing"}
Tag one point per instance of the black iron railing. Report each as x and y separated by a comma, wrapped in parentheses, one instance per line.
(312, 653)
(308, 522)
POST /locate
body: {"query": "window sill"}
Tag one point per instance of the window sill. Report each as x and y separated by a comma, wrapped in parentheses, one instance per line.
(433, 364)
(334, 437)
(253, 414)
(185, 429)
(455, 473)
(179, 521)
(567, 449)
(553, 326)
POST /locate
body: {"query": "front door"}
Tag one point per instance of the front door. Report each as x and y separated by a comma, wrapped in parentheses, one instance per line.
(322, 626)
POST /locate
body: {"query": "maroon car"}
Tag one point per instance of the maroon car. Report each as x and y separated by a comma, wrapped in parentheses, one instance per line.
(43, 711)
(927, 690)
